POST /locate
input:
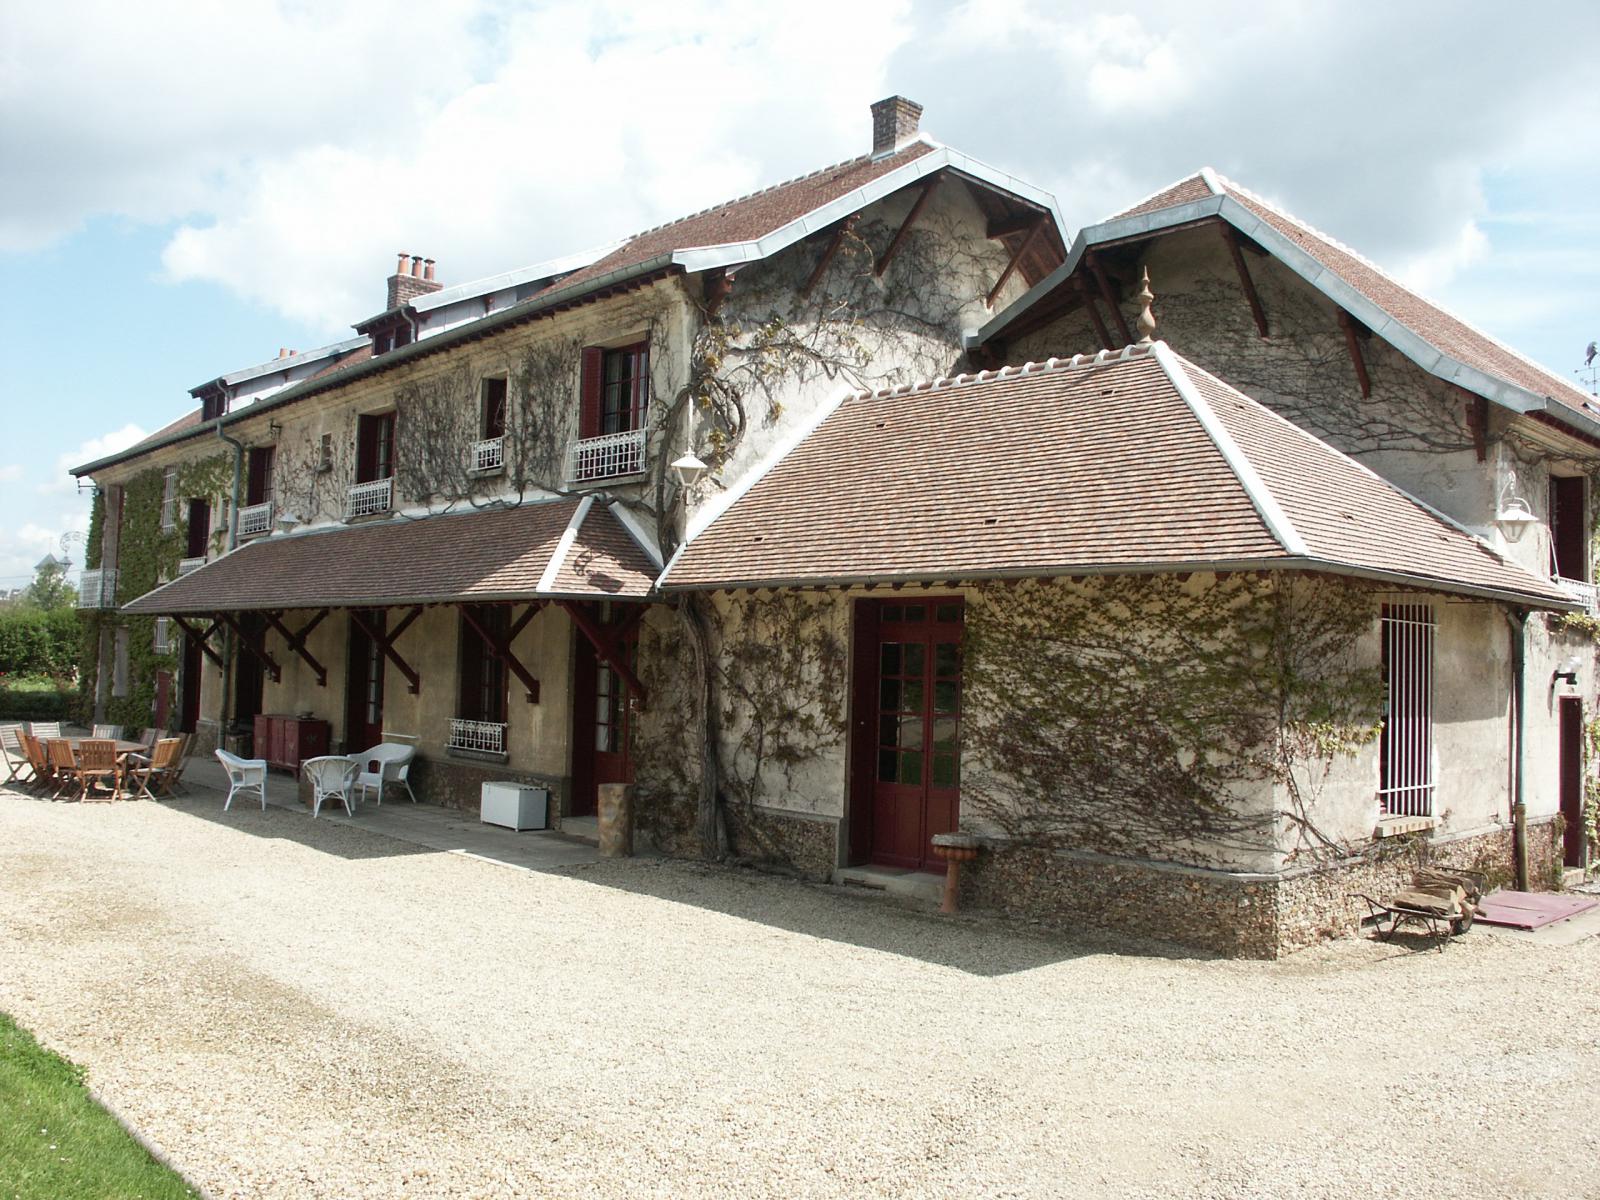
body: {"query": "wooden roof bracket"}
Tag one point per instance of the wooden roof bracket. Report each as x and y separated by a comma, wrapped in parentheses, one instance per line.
(839, 234)
(917, 206)
(1022, 248)
(1100, 329)
(1108, 296)
(386, 639)
(717, 285)
(501, 647)
(608, 645)
(203, 639)
(1353, 345)
(259, 653)
(297, 641)
(1477, 421)
(1249, 285)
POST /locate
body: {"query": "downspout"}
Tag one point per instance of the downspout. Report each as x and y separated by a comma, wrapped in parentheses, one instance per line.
(229, 648)
(1518, 620)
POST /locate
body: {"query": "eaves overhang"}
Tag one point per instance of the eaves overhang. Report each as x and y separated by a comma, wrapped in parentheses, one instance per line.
(1226, 208)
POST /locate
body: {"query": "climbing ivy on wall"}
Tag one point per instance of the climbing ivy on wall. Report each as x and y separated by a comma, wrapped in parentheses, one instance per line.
(146, 556)
(1120, 715)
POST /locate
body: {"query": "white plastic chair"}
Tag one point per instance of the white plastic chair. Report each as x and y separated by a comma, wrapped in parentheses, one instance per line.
(244, 775)
(393, 762)
(331, 775)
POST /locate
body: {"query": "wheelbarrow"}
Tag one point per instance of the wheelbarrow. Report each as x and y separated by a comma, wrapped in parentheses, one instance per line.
(1443, 903)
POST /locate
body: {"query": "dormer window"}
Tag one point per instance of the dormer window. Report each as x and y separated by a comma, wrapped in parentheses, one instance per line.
(213, 403)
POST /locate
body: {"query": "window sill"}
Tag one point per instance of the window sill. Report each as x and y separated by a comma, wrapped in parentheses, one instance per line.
(1388, 827)
(599, 482)
(490, 756)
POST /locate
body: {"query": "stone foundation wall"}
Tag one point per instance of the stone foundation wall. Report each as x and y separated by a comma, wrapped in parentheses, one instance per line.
(801, 842)
(1241, 916)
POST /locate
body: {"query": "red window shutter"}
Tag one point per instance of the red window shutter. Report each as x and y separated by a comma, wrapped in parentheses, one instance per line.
(366, 449)
(590, 391)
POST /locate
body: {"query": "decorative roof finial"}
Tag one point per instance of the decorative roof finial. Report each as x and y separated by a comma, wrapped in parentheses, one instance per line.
(1147, 319)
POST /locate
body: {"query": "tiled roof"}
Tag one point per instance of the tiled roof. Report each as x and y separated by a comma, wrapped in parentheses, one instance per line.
(750, 217)
(1446, 332)
(1130, 461)
(497, 554)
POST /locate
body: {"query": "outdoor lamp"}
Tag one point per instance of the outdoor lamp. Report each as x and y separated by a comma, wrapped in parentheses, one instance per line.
(1513, 518)
(689, 469)
(288, 520)
(1568, 670)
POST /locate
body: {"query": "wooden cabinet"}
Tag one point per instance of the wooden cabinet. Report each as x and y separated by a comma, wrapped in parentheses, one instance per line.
(288, 741)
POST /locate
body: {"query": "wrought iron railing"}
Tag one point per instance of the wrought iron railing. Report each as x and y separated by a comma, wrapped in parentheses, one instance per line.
(487, 737)
(98, 588)
(364, 499)
(488, 456)
(607, 456)
(1585, 593)
(255, 520)
(185, 565)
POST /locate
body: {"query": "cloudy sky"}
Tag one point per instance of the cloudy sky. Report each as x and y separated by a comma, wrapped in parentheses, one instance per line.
(187, 187)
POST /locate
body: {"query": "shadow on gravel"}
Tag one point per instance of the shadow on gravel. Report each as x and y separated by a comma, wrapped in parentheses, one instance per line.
(287, 825)
(975, 943)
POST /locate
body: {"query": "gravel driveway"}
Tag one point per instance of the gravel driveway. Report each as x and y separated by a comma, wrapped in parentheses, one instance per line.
(295, 1009)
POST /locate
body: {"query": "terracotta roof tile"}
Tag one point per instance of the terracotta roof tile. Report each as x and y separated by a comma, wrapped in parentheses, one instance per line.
(497, 554)
(1063, 468)
(1185, 191)
(749, 217)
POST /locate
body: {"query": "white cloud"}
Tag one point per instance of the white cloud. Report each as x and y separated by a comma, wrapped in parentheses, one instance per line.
(10, 473)
(1434, 269)
(61, 481)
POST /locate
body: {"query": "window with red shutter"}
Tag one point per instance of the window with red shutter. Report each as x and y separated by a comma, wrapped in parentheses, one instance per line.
(374, 447)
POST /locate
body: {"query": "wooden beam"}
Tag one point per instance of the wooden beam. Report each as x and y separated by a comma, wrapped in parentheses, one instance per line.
(1109, 296)
(501, 647)
(259, 653)
(1249, 285)
(1100, 329)
(1477, 421)
(1022, 248)
(1004, 227)
(1353, 345)
(718, 284)
(297, 642)
(386, 639)
(839, 234)
(917, 206)
(201, 638)
(607, 649)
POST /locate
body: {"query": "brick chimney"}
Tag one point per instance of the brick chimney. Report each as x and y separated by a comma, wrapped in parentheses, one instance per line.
(410, 280)
(894, 124)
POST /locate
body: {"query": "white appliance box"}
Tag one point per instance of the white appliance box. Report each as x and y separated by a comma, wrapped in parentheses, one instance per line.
(514, 805)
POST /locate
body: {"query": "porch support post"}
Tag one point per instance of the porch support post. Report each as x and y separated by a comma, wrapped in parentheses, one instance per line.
(917, 206)
(1353, 345)
(1109, 296)
(386, 640)
(839, 234)
(608, 645)
(201, 638)
(1022, 248)
(259, 653)
(1249, 285)
(297, 642)
(501, 647)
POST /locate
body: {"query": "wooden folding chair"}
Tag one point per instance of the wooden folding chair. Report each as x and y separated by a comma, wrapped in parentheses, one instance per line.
(97, 762)
(157, 770)
(180, 764)
(14, 755)
(63, 765)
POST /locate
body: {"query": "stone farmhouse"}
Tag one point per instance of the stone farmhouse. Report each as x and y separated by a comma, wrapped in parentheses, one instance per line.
(870, 507)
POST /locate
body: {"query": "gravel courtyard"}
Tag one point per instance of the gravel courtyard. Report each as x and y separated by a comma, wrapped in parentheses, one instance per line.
(295, 1009)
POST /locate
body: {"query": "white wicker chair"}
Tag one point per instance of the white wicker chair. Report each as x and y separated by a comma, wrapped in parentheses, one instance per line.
(244, 775)
(385, 763)
(331, 775)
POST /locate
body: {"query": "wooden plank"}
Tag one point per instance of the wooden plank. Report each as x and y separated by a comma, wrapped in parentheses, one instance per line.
(1100, 329)
(1022, 248)
(1353, 345)
(385, 641)
(1249, 285)
(501, 648)
(609, 651)
(297, 642)
(1109, 296)
(839, 234)
(201, 639)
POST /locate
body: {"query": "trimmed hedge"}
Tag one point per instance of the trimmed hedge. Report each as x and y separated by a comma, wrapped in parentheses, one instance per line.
(39, 643)
(25, 704)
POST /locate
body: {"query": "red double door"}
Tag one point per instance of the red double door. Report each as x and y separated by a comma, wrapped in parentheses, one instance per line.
(906, 784)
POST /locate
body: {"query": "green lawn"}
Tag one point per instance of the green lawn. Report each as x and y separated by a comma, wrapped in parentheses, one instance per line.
(58, 1144)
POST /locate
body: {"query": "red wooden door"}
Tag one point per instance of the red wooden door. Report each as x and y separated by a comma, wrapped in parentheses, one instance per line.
(189, 675)
(916, 784)
(602, 725)
(1571, 770)
(363, 701)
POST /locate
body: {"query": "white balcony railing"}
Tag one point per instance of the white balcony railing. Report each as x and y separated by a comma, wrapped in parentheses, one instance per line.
(486, 737)
(488, 456)
(607, 456)
(255, 520)
(98, 588)
(364, 499)
(185, 565)
(1584, 593)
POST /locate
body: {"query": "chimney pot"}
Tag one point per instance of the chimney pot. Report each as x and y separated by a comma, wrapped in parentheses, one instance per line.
(895, 122)
(416, 266)
(428, 268)
(400, 267)
(409, 281)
